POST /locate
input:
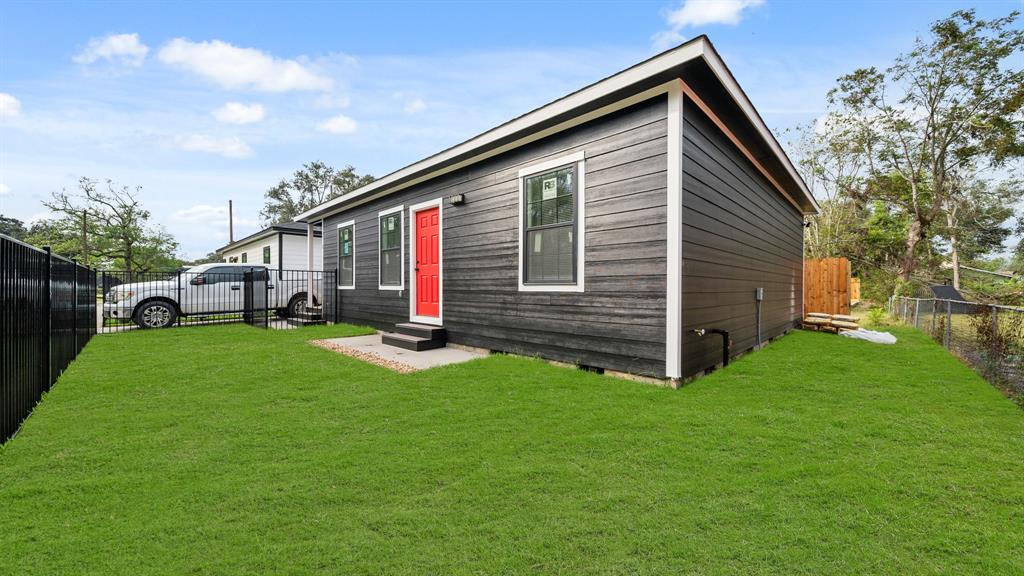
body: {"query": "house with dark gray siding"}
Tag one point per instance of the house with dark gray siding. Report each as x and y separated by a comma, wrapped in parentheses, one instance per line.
(613, 228)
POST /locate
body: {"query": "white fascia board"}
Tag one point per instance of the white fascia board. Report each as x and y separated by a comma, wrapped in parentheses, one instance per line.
(724, 76)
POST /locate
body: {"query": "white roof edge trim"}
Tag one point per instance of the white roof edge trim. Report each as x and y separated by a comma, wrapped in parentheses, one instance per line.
(248, 240)
(726, 78)
(699, 47)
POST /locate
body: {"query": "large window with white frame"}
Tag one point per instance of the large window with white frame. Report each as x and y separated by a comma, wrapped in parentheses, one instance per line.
(347, 255)
(551, 225)
(391, 273)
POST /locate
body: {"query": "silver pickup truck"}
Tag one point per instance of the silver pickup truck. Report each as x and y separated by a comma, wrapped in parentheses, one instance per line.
(205, 290)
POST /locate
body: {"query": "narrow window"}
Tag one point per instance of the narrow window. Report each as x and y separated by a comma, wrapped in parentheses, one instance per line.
(391, 249)
(346, 255)
(550, 227)
(266, 254)
(245, 257)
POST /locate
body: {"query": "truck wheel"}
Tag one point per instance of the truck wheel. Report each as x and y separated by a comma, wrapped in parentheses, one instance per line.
(297, 305)
(155, 314)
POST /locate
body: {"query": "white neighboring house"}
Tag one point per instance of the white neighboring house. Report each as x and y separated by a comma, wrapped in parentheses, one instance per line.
(279, 247)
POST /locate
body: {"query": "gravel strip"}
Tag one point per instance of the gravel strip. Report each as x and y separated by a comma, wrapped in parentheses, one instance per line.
(364, 356)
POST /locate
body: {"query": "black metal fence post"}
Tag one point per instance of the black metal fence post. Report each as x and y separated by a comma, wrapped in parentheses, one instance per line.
(49, 315)
(179, 288)
(74, 303)
(337, 296)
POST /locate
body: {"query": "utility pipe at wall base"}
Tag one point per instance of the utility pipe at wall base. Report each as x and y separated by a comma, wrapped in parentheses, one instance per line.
(726, 342)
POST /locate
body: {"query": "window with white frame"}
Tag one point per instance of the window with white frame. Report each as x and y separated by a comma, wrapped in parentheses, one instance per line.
(346, 255)
(266, 254)
(245, 257)
(551, 234)
(390, 238)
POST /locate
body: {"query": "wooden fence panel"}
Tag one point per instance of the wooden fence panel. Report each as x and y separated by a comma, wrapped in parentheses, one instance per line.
(854, 290)
(827, 286)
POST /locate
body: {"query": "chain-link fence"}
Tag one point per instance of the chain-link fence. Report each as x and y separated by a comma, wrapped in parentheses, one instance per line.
(988, 337)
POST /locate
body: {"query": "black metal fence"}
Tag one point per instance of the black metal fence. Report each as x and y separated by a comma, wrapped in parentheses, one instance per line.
(988, 337)
(215, 294)
(47, 315)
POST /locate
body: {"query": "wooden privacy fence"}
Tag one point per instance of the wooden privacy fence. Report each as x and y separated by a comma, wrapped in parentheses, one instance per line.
(827, 286)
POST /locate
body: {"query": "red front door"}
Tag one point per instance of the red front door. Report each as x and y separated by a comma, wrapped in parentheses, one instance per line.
(428, 258)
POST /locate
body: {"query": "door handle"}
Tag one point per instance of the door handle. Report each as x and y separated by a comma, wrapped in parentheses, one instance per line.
(236, 287)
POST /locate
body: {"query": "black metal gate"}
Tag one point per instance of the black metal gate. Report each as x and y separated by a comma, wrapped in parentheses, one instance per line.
(256, 288)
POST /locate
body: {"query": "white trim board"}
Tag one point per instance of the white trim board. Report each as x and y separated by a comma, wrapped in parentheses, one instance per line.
(480, 146)
(400, 209)
(337, 237)
(579, 160)
(413, 317)
(674, 236)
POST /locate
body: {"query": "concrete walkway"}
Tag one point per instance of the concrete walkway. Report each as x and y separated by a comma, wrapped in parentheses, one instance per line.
(370, 349)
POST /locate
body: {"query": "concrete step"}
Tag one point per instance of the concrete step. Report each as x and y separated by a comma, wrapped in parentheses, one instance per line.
(407, 342)
(421, 330)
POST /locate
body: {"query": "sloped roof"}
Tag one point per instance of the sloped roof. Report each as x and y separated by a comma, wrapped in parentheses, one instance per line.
(296, 228)
(672, 63)
(947, 292)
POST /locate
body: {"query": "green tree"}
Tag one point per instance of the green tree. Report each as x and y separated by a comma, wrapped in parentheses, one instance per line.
(311, 185)
(948, 107)
(108, 227)
(12, 227)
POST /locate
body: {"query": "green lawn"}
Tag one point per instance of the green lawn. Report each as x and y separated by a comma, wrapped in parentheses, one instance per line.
(231, 450)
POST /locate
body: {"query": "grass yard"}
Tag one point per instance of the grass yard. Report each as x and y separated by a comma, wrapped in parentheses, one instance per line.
(230, 450)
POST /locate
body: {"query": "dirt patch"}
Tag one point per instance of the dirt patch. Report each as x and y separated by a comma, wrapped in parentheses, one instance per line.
(364, 356)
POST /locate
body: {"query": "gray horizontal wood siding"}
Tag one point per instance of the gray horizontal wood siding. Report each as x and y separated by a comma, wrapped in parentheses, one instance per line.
(617, 323)
(739, 234)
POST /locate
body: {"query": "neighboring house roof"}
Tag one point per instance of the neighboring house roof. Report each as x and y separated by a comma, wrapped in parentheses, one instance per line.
(293, 228)
(696, 59)
(947, 292)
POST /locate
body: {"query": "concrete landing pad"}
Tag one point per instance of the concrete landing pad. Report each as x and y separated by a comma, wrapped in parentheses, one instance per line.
(370, 349)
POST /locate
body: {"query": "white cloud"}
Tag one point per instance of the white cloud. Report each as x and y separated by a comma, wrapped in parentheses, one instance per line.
(333, 101)
(38, 217)
(5, 190)
(412, 103)
(238, 113)
(339, 124)
(10, 107)
(694, 13)
(415, 105)
(241, 68)
(231, 147)
(206, 214)
(124, 49)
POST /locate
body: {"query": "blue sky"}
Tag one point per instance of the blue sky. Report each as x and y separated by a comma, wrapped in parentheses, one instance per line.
(199, 103)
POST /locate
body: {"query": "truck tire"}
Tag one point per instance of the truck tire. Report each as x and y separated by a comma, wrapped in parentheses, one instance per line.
(297, 305)
(155, 314)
